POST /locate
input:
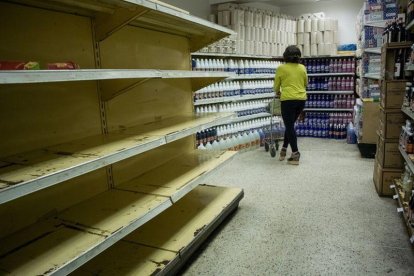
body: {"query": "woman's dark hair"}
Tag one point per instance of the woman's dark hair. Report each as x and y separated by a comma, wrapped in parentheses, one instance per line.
(292, 54)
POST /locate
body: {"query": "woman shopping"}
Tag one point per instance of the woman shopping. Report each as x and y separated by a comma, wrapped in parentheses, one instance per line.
(290, 84)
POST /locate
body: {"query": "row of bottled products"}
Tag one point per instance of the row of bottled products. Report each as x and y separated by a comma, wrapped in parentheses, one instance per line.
(407, 137)
(402, 57)
(236, 136)
(407, 195)
(239, 66)
(330, 84)
(329, 65)
(330, 101)
(246, 108)
(234, 88)
(224, 130)
(394, 31)
(409, 96)
(327, 125)
(327, 118)
(249, 139)
(240, 142)
(332, 131)
(313, 66)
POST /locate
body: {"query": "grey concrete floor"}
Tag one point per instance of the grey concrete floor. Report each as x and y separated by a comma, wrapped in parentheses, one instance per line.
(322, 217)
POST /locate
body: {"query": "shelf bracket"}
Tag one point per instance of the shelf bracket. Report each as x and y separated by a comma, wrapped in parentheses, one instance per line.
(106, 25)
(108, 95)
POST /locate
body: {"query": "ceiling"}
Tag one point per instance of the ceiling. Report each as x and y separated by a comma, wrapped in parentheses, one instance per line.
(278, 3)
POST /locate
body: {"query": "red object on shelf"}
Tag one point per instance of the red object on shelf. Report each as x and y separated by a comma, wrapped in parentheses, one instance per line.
(62, 66)
(19, 65)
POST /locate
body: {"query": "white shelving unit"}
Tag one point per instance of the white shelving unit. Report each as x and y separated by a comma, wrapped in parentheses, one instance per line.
(94, 154)
(374, 76)
(376, 50)
(410, 25)
(329, 109)
(408, 112)
(251, 77)
(330, 92)
(240, 77)
(378, 23)
(330, 74)
(250, 117)
(233, 99)
(200, 54)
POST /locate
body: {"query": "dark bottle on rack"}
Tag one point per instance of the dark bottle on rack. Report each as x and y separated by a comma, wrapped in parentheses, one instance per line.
(401, 31)
(386, 33)
(398, 68)
(394, 31)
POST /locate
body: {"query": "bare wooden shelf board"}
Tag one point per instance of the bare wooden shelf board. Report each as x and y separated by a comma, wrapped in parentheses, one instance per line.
(30, 172)
(179, 231)
(180, 175)
(100, 222)
(135, 258)
(198, 79)
(113, 15)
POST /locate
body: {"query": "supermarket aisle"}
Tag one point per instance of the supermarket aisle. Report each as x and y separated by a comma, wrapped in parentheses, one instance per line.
(322, 217)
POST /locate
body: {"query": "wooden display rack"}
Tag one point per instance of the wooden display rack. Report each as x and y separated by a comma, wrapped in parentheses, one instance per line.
(89, 156)
(403, 207)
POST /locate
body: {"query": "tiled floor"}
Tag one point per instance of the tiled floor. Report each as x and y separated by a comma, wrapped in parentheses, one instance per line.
(322, 217)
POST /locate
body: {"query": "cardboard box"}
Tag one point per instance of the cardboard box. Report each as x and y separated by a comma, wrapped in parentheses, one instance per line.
(392, 94)
(388, 154)
(370, 117)
(383, 178)
(390, 123)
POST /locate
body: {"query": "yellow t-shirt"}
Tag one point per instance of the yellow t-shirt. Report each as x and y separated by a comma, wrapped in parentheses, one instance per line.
(291, 80)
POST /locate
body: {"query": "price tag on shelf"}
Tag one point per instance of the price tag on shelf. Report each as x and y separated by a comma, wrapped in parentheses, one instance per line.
(395, 197)
(392, 186)
(400, 210)
(412, 239)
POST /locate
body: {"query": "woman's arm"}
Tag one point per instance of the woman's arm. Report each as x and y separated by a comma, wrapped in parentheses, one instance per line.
(277, 82)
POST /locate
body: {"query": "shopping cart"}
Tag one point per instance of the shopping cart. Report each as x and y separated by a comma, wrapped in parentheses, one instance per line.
(274, 133)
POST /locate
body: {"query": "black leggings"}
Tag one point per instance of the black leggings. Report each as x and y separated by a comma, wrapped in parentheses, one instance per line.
(290, 113)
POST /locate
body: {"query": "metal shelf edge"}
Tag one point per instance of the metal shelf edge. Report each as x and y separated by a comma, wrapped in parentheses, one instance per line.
(15, 191)
(407, 112)
(407, 159)
(111, 240)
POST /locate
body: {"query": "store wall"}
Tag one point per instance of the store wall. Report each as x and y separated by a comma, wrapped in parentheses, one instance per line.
(263, 6)
(200, 8)
(345, 11)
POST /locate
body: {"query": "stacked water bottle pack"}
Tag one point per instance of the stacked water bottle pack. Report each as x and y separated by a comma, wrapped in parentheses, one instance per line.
(239, 66)
(234, 89)
(330, 101)
(241, 108)
(335, 65)
(240, 136)
(324, 125)
(330, 84)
